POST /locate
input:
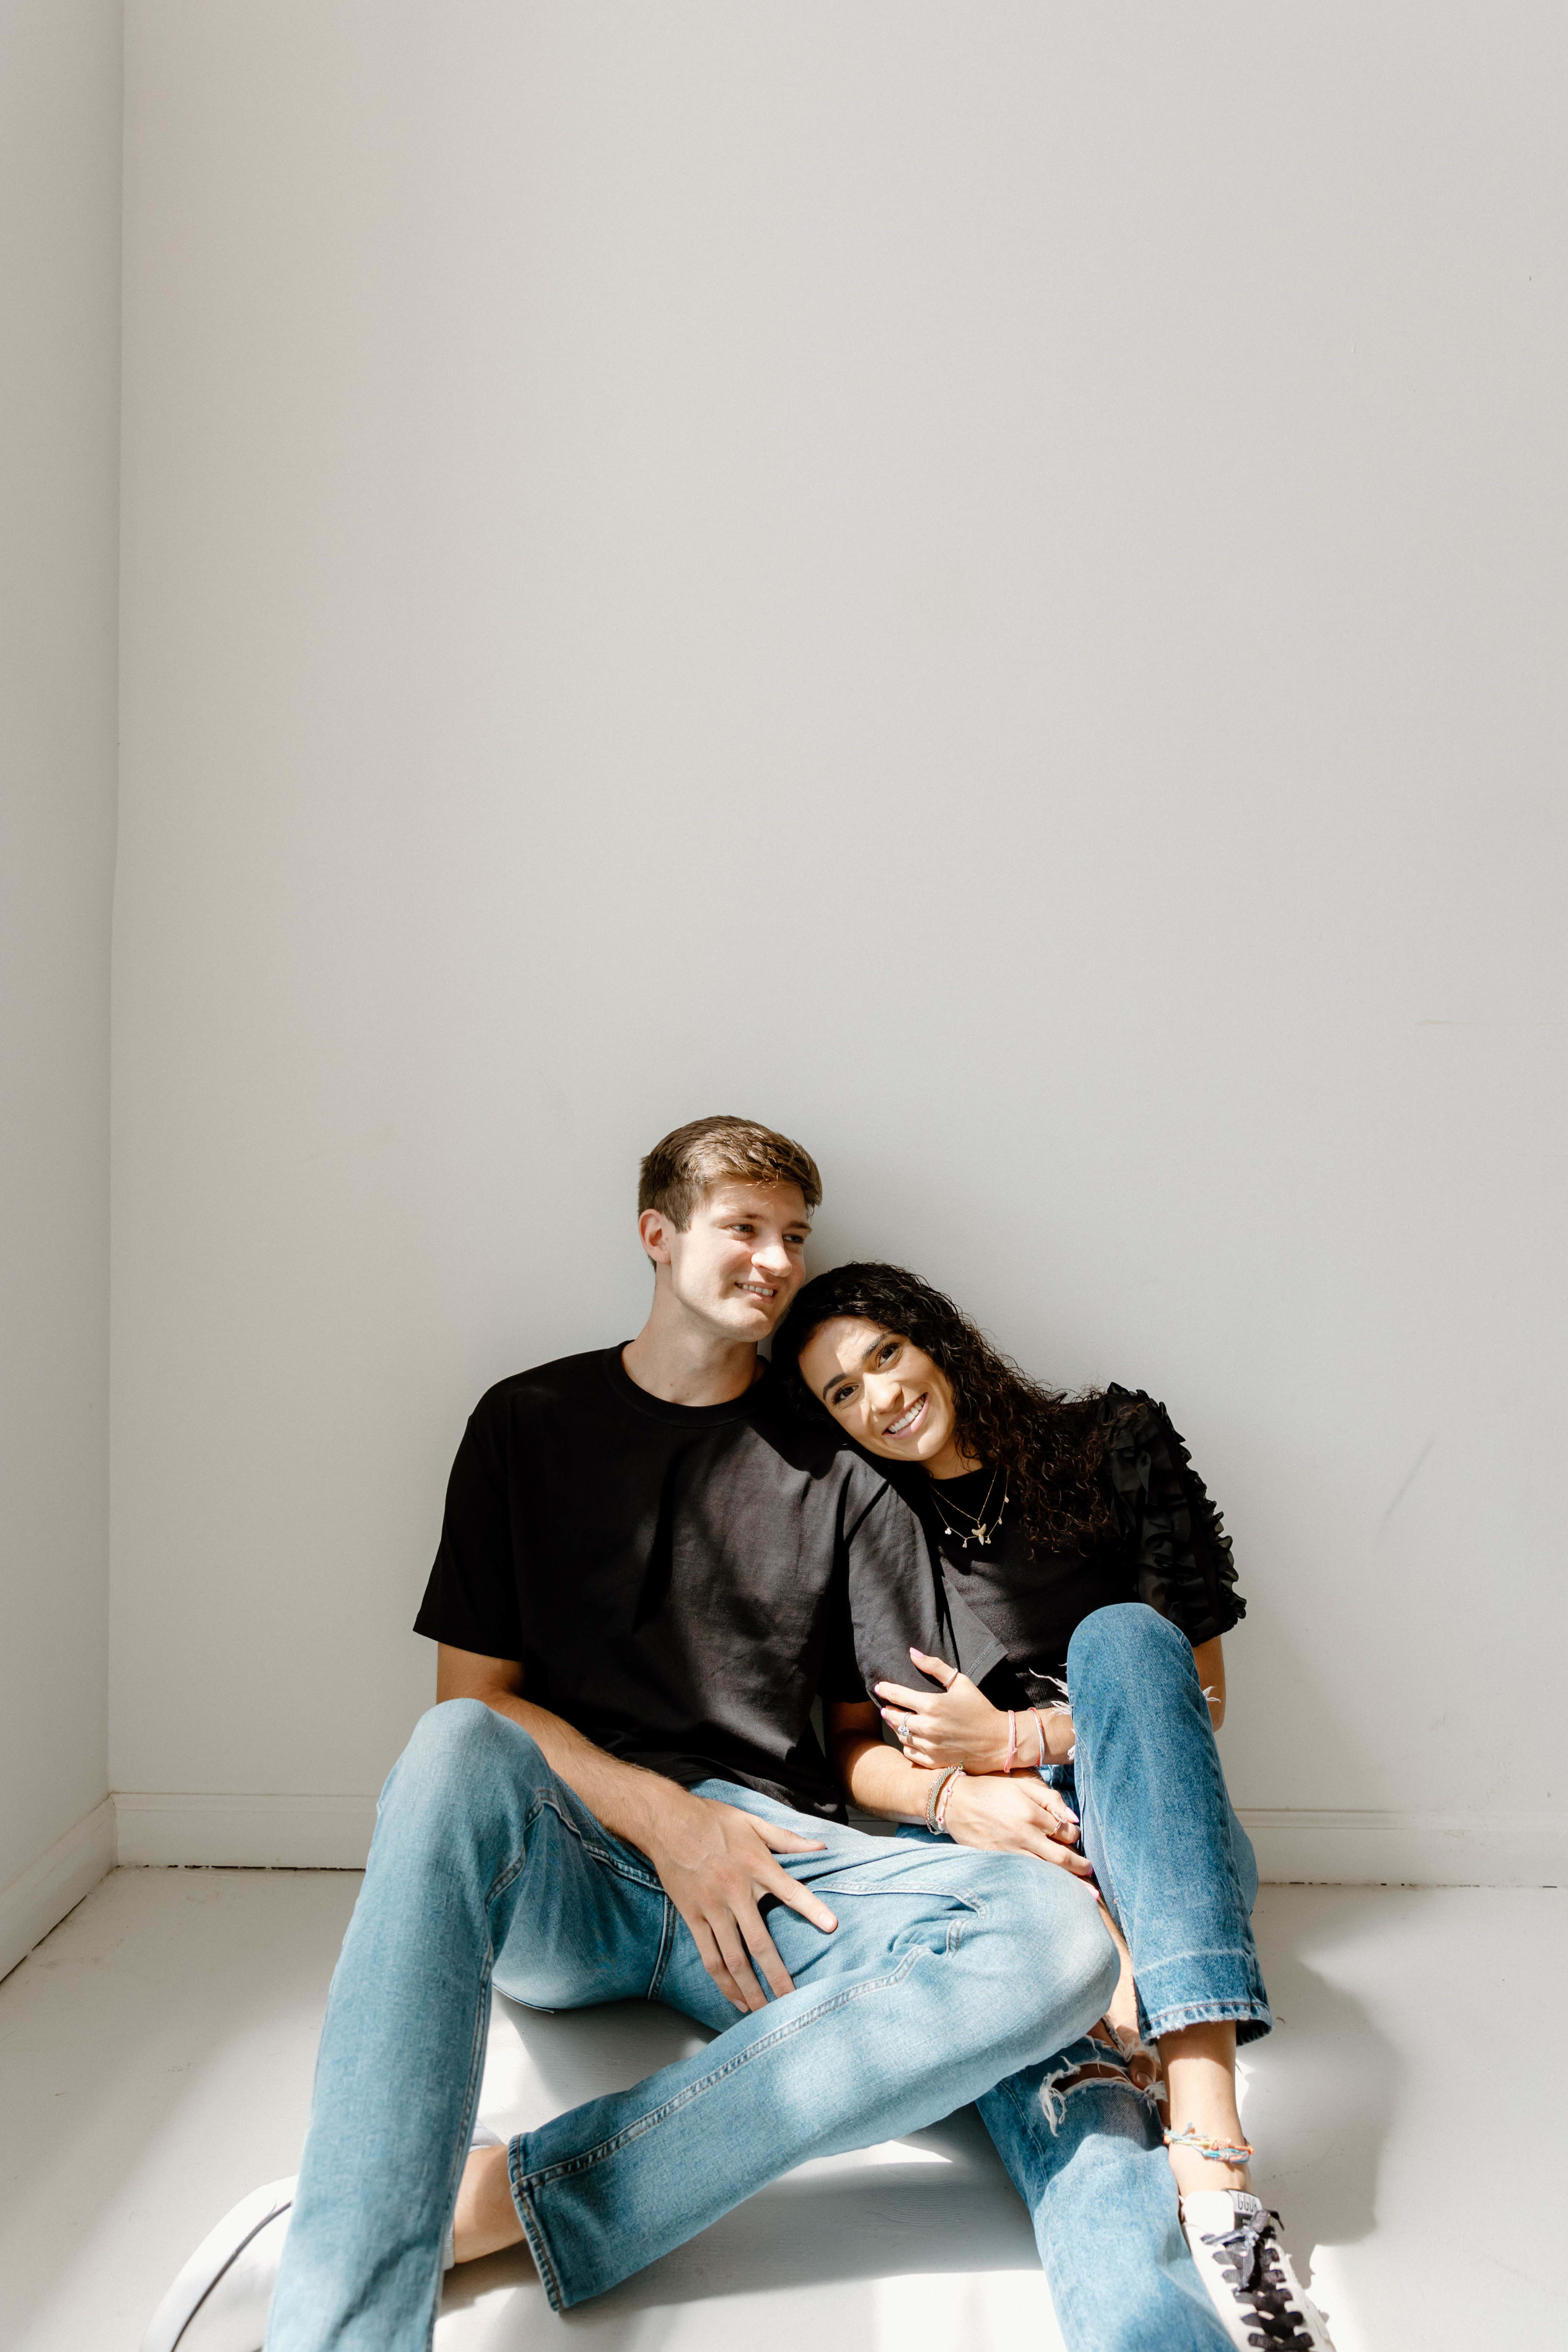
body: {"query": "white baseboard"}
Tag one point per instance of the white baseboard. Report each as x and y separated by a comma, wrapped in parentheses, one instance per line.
(38, 1897)
(244, 1832)
(1393, 1848)
(1408, 1848)
(1318, 1849)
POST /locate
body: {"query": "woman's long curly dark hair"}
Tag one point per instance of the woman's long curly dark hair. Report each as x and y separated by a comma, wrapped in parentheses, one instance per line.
(1051, 1444)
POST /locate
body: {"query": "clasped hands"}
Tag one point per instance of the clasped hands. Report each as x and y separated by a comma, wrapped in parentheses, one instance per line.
(958, 1724)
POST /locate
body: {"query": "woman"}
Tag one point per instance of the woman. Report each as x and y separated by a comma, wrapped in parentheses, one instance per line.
(1068, 1663)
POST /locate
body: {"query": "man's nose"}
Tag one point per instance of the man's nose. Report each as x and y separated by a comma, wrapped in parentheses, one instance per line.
(772, 1256)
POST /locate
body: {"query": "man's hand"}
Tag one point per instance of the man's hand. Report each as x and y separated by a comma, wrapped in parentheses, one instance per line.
(715, 1863)
(1015, 1817)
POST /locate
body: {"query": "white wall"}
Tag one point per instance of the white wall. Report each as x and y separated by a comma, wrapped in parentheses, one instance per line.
(59, 370)
(983, 585)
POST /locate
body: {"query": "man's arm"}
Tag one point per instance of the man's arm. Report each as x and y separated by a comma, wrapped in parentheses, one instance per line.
(714, 1861)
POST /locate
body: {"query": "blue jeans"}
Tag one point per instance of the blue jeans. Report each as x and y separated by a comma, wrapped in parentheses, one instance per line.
(948, 1969)
(1084, 2146)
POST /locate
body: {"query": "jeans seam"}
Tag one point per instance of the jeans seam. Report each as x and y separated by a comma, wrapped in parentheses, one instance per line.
(765, 2042)
(538, 2245)
(1204, 1952)
(470, 2103)
(665, 1951)
(546, 1798)
(1245, 2010)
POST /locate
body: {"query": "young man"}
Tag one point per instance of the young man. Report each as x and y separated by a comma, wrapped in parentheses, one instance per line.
(640, 1573)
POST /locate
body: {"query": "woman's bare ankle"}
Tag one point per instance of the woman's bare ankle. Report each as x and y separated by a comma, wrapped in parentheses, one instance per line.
(486, 2220)
(1196, 2171)
(1200, 2069)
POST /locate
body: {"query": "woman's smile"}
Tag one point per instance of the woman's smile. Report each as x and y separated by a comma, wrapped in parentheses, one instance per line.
(909, 1421)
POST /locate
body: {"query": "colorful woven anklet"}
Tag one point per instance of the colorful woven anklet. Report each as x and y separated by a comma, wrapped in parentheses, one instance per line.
(1218, 2151)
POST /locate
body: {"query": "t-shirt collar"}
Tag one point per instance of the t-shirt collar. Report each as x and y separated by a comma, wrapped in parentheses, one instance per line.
(684, 1416)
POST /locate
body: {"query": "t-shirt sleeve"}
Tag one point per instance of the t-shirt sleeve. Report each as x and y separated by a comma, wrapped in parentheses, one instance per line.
(892, 1591)
(840, 1679)
(1181, 1558)
(472, 1601)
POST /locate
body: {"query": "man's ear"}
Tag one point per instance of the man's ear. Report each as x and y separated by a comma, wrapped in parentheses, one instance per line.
(654, 1229)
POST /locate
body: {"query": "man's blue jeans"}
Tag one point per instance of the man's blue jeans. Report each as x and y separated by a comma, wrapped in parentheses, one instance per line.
(1084, 2146)
(949, 1969)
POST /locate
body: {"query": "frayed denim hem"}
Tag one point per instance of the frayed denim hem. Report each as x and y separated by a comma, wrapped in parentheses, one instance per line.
(1253, 2019)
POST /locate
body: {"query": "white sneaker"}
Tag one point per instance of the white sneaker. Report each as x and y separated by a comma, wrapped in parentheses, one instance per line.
(1246, 2272)
(220, 2301)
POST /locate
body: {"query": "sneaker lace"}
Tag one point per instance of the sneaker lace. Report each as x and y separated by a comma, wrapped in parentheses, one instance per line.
(1255, 2277)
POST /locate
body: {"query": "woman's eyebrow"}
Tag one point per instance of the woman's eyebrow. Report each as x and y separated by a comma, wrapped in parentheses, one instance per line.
(866, 1359)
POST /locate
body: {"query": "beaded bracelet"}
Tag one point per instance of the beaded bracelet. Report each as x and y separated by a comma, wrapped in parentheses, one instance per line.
(1218, 2151)
(944, 1795)
(935, 1798)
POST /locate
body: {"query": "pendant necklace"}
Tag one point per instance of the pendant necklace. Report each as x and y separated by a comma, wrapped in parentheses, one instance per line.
(981, 1529)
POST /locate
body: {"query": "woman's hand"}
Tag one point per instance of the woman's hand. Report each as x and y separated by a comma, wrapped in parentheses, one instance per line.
(1015, 1817)
(956, 1725)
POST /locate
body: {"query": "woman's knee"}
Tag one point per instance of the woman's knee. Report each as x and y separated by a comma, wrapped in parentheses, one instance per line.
(1128, 1637)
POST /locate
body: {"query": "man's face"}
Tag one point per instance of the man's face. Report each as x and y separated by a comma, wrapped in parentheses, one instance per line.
(740, 1260)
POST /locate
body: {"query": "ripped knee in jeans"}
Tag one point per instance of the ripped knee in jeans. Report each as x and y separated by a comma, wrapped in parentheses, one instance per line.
(1100, 2058)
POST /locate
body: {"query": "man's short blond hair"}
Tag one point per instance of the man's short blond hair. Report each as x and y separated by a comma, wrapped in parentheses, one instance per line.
(684, 1167)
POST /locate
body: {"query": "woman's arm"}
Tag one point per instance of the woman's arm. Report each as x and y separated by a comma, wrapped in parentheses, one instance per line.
(958, 1723)
(1021, 1816)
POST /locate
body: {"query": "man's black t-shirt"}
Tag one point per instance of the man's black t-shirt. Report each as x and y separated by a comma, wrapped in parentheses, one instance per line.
(672, 1577)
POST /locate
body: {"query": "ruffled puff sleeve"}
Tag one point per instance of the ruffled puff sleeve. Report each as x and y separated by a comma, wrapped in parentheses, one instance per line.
(1178, 1549)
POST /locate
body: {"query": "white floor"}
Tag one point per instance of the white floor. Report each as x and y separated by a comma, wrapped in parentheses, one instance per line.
(155, 2058)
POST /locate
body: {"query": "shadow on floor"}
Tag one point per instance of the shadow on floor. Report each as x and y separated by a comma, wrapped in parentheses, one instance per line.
(1321, 2090)
(938, 2201)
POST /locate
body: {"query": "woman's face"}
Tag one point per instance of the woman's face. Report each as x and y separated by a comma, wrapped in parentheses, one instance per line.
(884, 1391)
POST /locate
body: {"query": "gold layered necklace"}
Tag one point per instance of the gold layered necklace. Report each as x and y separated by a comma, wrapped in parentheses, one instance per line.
(981, 1526)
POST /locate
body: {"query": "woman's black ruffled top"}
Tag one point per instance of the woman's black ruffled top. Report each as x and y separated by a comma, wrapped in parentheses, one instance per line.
(1177, 1546)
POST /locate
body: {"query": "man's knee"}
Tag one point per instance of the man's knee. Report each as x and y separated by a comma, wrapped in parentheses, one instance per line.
(455, 1749)
(1056, 1920)
(1089, 1963)
(1127, 1638)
